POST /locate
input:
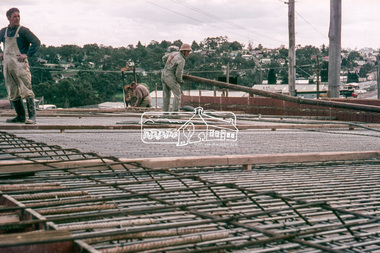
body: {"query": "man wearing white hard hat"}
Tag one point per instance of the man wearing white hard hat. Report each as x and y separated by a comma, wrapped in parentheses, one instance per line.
(171, 76)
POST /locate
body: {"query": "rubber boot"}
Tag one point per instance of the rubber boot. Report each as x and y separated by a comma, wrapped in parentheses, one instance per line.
(31, 111)
(20, 110)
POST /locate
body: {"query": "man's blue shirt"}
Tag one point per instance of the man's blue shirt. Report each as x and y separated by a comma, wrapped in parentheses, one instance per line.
(27, 42)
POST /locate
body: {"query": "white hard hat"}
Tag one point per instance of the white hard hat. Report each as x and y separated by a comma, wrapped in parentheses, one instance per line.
(185, 47)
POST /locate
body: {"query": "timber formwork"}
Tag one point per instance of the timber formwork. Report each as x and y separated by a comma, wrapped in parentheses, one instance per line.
(64, 200)
(270, 103)
(271, 106)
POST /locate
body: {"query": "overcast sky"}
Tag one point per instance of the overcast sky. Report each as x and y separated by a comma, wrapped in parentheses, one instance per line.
(119, 23)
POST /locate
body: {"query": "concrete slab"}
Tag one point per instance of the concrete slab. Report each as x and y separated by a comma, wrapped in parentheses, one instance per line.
(266, 139)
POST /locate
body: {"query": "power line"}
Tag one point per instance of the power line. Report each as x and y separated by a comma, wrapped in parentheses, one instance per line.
(223, 20)
(307, 73)
(195, 19)
(208, 14)
(306, 21)
(311, 25)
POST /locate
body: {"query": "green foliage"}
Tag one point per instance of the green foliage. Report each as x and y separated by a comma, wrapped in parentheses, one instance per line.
(272, 78)
(41, 75)
(365, 69)
(213, 42)
(325, 72)
(105, 84)
(352, 77)
(78, 76)
(285, 80)
(70, 93)
(3, 90)
(304, 60)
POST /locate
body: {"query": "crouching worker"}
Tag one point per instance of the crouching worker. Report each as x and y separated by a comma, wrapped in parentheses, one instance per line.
(142, 95)
(19, 44)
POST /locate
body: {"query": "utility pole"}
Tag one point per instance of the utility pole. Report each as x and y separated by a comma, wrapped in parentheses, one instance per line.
(228, 72)
(335, 47)
(292, 49)
(228, 76)
(318, 70)
(378, 76)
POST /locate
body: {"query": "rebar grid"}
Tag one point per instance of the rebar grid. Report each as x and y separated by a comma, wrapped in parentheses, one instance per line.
(122, 207)
(18, 148)
(219, 200)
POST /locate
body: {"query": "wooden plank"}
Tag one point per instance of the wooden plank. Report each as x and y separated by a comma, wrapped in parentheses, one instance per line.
(230, 160)
(9, 218)
(195, 161)
(33, 237)
(137, 126)
(17, 168)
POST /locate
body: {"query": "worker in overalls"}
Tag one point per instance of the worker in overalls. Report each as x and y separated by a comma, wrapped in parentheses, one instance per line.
(19, 44)
(171, 76)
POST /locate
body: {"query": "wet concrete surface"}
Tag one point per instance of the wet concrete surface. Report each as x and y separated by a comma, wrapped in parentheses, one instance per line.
(128, 143)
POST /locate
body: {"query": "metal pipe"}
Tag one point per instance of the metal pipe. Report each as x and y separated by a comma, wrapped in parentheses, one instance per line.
(16, 187)
(77, 209)
(108, 224)
(50, 195)
(149, 234)
(61, 202)
(298, 100)
(167, 243)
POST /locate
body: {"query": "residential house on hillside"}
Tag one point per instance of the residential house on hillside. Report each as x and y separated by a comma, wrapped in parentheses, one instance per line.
(360, 62)
(43, 61)
(281, 61)
(247, 57)
(266, 61)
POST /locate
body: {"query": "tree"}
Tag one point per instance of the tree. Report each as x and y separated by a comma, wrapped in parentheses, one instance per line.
(195, 46)
(352, 77)
(40, 75)
(325, 72)
(106, 85)
(354, 55)
(272, 78)
(285, 79)
(283, 73)
(304, 60)
(324, 50)
(259, 47)
(65, 93)
(234, 46)
(153, 44)
(68, 52)
(283, 53)
(365, 69)
(90, 48)
(3, 90)
(165, 44)
(178, 43)
(97, 77)
(87, 95)
(214, 42)
(250, 46)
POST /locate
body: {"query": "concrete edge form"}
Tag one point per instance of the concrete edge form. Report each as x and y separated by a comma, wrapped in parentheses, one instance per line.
(247, 160)
(14, 167)
(283, 125)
